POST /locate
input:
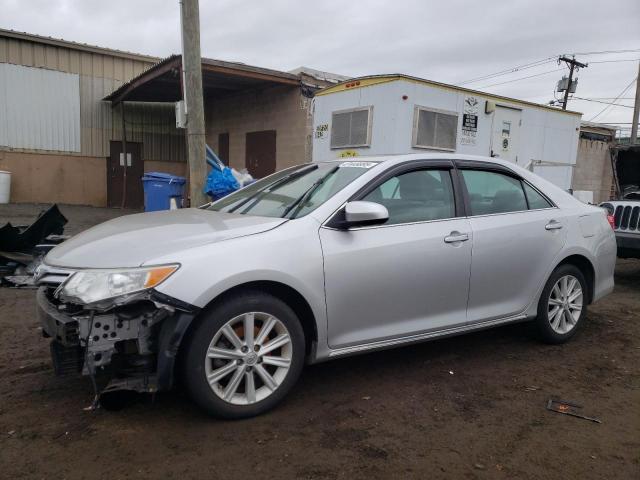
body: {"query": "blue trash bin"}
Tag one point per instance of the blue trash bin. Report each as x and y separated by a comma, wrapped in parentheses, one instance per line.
(160, 188)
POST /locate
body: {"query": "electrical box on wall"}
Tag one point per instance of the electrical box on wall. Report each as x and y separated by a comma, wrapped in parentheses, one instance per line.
(489, 107)
(181, 115)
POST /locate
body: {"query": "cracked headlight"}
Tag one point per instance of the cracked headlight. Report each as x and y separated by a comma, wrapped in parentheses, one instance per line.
(91, 286)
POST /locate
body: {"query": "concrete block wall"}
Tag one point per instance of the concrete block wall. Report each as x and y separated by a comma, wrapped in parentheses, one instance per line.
(593, 169)
(56, 178)
(279, 108)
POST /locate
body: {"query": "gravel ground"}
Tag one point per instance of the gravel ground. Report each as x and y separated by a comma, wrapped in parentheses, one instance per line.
(465, 407)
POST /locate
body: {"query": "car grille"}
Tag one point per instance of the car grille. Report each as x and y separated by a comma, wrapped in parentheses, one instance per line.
(627, 218)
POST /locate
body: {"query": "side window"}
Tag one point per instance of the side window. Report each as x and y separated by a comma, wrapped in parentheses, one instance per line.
(434, 129)
(351, 128)
(416, 196)
(536, 201)
(390, 188)
(491, 192)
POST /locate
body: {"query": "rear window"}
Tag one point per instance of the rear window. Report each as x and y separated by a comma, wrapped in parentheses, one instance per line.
(536, 200)
(492, 192)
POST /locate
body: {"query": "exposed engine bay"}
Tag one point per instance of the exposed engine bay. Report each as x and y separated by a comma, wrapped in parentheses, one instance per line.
(130, 346)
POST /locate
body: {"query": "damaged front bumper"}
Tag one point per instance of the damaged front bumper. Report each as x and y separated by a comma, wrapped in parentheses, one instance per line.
(131, 346)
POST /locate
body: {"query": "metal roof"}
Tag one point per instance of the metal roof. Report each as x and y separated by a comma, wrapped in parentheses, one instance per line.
(161, 82)
(58, 42)
(366, 81)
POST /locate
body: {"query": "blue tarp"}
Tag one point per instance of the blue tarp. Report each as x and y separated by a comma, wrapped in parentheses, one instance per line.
(220, 181)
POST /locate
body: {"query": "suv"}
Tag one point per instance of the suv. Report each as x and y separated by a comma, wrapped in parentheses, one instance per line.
(626, 226)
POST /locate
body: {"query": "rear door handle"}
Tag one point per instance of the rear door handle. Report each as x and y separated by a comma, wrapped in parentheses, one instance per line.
(553, 225)
(454, 237)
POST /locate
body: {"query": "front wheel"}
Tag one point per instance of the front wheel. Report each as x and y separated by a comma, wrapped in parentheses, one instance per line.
(563, 305)
(244, 356)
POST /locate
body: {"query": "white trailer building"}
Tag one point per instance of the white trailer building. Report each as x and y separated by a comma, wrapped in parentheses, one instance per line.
(395, 114)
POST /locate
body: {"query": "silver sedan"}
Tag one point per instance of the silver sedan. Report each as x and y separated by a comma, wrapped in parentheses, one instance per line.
(316, 262)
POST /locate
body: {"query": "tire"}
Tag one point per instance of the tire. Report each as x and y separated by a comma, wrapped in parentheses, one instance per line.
(211, 351)
(557, 320)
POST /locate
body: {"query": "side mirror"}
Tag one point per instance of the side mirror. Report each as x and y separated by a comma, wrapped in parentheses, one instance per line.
(357, 214)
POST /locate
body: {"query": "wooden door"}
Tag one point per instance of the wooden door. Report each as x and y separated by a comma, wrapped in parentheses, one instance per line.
(261, 153)
(223, 148)
(134, 165)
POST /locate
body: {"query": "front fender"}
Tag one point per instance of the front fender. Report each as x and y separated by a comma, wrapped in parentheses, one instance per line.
(290, 254)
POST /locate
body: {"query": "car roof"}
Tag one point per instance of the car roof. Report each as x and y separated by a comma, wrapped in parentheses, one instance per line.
(421, 157)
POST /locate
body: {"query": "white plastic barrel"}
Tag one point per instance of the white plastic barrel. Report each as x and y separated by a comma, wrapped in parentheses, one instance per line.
(5, 186)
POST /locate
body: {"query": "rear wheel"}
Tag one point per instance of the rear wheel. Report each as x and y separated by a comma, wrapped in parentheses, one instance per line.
(244, 356)
(563, 304)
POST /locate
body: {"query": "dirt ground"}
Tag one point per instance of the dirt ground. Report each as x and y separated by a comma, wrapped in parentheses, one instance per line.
(466, 407)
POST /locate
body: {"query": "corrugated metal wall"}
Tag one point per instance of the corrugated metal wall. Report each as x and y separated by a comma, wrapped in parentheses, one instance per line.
(154, 125)
(39, 109)
(100, 74)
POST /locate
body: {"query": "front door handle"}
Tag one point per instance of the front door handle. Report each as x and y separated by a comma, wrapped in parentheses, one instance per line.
(553, 225)
(454, 237)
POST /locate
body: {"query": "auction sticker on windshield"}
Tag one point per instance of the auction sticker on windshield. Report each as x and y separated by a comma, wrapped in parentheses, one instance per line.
(358, 164)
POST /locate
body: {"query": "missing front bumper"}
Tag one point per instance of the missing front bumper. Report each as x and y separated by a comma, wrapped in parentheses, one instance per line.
(134, 346)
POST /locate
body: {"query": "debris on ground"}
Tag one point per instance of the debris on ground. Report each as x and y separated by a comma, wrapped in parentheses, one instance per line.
(568, 408)
(22, 247)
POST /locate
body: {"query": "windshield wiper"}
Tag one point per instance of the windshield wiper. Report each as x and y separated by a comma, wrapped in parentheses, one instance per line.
(277, 183)
(302, 199)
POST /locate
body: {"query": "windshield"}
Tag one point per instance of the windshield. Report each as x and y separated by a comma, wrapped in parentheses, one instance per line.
(294, 192)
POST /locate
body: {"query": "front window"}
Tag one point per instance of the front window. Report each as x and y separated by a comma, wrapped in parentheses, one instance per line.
(417, 196)
(294, 192)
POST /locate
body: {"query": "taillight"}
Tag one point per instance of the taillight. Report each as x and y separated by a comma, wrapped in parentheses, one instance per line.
(612, 221)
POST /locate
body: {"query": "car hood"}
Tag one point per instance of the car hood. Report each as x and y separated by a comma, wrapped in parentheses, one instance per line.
(134, 240)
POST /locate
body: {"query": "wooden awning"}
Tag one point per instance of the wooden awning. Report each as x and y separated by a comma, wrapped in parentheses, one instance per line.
(162, 82)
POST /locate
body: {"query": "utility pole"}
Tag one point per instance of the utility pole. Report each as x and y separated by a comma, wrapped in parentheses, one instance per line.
(573, 63)
(636, 111)
(193, 98)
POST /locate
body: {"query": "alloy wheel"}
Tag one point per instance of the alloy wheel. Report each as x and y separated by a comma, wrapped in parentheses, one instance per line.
(248, 358)
(565, 304)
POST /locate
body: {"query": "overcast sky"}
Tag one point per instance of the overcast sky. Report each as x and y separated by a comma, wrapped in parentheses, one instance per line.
(449, 41)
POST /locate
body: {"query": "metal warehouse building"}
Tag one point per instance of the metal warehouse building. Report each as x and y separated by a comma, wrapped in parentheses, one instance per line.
(61, 123)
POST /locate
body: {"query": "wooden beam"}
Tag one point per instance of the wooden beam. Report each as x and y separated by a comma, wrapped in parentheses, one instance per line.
(253, 74)
(153, 73)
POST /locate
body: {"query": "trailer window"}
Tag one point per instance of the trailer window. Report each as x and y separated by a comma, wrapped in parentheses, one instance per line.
(351, 128)
(434, 129)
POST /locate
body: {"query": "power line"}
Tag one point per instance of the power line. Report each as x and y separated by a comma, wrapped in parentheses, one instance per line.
(606, 52)
(544, 61)
(609, 106)
(511, 70)
(616, 61)
(611, 98)
(598, 101)
(521, 78)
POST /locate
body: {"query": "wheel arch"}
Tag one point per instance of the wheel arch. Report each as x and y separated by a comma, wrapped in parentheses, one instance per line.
(289, 295)
(586, 268)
